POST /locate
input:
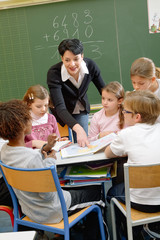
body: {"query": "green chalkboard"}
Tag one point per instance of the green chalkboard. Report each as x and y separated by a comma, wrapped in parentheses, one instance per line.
(114, 33)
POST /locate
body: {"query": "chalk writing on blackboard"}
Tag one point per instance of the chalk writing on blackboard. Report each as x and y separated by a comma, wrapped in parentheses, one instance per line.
(71, 26)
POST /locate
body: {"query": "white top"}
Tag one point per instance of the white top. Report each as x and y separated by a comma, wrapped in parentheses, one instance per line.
(141, 143)
(65, 76)
(39, 207)
(2, 142)
(39, 120)
(157, 92)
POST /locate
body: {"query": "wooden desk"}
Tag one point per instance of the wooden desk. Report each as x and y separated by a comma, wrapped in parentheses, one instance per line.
(26, 235)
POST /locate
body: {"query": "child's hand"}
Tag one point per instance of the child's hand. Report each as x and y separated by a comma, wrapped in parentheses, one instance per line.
(51, 154)
(52, 140)
(102, 134)
(38, 144)
(63, 139)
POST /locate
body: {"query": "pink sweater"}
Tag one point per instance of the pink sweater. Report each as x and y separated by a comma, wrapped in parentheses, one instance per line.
(41, 132)
(101, 123)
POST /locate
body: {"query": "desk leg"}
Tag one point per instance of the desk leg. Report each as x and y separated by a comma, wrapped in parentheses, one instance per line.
(120, 171)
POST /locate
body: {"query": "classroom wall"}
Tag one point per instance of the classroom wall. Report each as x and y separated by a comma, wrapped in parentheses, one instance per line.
(114, 34)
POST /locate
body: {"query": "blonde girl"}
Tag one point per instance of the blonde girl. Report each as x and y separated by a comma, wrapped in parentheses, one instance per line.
(143, 76)
(43, 123)
(109, 118)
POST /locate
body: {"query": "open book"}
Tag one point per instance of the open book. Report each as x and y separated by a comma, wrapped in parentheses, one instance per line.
(74, 150)
(61, 144)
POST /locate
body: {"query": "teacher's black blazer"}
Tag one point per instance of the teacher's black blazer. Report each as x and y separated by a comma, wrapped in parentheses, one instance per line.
(64, 95)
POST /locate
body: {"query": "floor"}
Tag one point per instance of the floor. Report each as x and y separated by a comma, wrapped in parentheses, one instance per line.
(5, 224)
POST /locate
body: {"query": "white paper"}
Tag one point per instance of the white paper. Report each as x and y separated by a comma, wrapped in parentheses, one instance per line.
(60, 144)
(75, 150)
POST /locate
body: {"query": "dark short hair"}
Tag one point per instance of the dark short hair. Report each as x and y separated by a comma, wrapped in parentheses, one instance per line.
(14, 115)
(73, 45)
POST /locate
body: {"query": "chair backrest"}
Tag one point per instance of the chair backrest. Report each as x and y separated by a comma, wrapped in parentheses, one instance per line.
(143, 176)
(139, 176)
(33, 180)
(65, 131)
(29, 180)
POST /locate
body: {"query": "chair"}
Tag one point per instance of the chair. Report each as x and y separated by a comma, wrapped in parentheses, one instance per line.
(65, 131)
(8, 210)
(44, 180)
(136, 176)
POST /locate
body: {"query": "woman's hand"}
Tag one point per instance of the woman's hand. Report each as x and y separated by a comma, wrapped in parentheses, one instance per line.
(82, 139)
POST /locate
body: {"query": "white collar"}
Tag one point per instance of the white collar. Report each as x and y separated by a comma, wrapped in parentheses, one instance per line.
(39, 120)
(65, 75)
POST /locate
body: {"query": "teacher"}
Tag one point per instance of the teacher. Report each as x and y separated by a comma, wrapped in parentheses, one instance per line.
(68, 82)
